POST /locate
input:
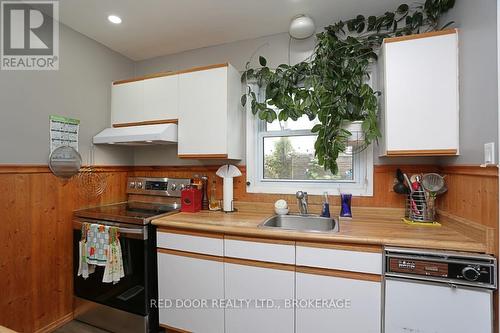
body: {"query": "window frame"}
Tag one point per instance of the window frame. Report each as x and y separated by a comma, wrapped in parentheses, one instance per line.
(362, 185)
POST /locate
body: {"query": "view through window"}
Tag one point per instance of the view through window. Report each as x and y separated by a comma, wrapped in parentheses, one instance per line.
(288, 153)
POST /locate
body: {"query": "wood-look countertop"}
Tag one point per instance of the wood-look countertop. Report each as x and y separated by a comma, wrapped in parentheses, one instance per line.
(376, 226)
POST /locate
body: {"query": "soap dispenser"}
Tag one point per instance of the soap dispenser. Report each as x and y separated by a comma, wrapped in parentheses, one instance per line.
(325, 211)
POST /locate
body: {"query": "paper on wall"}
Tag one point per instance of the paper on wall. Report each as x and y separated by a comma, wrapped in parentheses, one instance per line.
(63, 132)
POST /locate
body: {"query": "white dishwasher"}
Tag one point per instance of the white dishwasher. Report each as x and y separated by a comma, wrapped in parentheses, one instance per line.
(438, 292)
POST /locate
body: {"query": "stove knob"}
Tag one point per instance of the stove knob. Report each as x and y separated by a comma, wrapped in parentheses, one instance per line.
(138, 185)
(131, 185)
(470, 273)
(173, 187)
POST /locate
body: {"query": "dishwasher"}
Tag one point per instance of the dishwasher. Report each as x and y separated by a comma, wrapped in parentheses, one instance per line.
(438, 291)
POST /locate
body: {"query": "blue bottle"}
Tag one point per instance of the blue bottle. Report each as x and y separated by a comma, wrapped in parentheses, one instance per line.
(325, 212)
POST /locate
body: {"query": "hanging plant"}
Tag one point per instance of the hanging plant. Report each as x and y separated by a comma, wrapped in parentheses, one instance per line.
(331, 85)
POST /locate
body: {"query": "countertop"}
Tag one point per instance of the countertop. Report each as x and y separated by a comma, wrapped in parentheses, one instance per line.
(376, 226)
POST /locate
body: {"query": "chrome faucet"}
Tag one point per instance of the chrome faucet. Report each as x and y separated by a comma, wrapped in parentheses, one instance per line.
(302, 202)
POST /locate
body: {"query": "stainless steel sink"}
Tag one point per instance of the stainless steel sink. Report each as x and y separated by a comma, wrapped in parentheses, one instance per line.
(309, 223)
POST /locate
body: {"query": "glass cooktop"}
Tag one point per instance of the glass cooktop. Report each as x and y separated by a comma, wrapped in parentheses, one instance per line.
(128, 212)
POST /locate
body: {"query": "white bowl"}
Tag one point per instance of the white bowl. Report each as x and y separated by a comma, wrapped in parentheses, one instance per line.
(281, 211)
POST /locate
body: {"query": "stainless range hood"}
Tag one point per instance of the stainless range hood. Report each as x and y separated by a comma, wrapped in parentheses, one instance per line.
(138, 135)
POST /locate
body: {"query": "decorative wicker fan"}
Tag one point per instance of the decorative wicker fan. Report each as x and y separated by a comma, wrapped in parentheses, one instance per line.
(91, 182)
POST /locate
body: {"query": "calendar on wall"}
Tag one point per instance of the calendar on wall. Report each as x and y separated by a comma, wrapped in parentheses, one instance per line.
(63, 132)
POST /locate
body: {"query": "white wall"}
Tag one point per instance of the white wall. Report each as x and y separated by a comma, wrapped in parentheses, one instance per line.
(79, 89)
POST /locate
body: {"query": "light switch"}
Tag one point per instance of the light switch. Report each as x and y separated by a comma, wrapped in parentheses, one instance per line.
(489, 153)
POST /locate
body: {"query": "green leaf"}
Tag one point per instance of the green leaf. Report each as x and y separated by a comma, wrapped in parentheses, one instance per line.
(403, 9)
(243, 100)
(262, 61)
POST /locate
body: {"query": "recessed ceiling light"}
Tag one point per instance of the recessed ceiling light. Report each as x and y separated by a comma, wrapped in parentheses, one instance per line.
(114, 19)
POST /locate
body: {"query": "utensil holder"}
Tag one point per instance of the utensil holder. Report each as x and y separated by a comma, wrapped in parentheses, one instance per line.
(420, 207)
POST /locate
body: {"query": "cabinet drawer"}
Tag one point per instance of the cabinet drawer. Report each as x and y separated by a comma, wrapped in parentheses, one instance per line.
(191, 242)
(260, 249)
(368, 260)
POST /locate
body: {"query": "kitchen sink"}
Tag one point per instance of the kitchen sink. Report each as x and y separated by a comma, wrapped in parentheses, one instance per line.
(307, 223)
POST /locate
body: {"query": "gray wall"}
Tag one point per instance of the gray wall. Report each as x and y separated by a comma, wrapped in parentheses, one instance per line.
(476, 21)
(274, 48)
(79, 89)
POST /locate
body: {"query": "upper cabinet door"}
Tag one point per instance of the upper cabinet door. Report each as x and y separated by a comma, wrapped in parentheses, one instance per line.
(210, 113)
(161, 98)
(127, 102)
(420, 94)
(144, 100)
(203, 113)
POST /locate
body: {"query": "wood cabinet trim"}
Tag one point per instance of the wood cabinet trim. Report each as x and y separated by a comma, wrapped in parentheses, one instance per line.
(260, 240)
(262, 264)
(203, 156)
(422, 35)
(148, 122)
(339, 273)
(171, 329)
(190, 255)
(344, 247)
(190, 233)
(430, 152)
(163, 74)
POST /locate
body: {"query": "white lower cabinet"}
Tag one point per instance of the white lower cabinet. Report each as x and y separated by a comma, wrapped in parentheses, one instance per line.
(353, 306)
(183, 278)
(258, 285)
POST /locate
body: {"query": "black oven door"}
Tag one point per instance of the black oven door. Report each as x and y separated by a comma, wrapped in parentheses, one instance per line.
(132, 292)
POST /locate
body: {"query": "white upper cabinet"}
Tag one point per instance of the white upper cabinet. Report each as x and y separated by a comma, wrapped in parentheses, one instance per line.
(210, 116)
(420, 103)
(161, 98)
(127, 102)
(145, 100)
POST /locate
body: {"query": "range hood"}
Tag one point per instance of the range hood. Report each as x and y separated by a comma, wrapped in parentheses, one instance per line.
(138, 135)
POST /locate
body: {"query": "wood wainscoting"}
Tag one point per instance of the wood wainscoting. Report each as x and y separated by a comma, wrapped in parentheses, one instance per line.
(383, 195)
(36, 272)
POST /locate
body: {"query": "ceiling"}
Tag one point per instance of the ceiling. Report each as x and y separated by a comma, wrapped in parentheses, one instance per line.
(151, 28)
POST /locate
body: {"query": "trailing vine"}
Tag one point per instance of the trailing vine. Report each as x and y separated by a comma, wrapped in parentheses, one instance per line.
(332, 84)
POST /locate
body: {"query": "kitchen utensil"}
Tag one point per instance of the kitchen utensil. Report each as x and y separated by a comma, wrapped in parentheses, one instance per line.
(401, 188)
(432, 182)
(408, 182)
(65, 162)
(400, 176)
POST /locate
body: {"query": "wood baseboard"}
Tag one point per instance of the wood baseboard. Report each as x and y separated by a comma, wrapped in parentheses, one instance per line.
(56, 324)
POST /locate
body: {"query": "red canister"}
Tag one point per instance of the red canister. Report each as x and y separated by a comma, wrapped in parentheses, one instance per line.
(191, 199)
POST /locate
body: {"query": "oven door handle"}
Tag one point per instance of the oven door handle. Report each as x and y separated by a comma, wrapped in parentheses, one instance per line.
(137, 233)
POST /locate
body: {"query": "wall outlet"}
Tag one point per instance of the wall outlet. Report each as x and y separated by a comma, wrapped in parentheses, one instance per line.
(489, 153)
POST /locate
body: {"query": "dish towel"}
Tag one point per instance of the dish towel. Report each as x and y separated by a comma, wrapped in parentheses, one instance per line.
(100, 246)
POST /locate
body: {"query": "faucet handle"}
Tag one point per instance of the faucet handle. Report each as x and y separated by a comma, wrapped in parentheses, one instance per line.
(300, 195)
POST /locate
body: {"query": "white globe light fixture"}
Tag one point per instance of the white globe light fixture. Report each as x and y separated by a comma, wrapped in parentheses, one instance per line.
(301, 27)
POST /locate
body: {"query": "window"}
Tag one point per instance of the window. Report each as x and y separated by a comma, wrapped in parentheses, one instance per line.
(280, 159)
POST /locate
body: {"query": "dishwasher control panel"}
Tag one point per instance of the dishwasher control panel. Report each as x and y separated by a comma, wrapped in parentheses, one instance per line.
(441, 266)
